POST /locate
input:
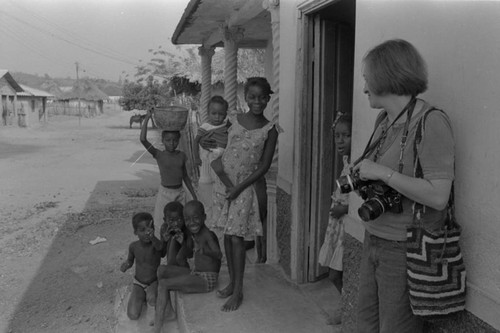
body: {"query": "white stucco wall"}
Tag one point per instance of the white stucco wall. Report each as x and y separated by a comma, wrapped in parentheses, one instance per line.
(461, 44)
(288, 68)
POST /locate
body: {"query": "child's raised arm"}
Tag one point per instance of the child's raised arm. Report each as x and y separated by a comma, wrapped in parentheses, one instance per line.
(264, 165)
(144, 133)
(130, 259)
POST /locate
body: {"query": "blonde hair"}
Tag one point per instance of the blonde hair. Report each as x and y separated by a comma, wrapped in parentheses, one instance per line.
(395, 67)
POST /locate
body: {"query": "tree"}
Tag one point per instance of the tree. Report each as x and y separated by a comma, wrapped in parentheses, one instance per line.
(180, 74)
(144, 96)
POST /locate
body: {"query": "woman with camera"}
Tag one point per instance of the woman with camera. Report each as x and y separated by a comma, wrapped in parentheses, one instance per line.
(395, 73)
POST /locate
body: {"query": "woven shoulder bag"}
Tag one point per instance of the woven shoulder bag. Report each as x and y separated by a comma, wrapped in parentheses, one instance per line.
(435, 267)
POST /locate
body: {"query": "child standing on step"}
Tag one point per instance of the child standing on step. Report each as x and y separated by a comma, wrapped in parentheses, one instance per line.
(146, 253)
(332, 250)
(248, 156)
(172, 165)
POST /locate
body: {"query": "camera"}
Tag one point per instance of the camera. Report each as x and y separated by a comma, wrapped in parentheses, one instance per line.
(379, 197)
(350, 183)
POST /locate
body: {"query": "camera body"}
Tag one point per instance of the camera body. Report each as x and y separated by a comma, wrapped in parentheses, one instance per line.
(378, 196)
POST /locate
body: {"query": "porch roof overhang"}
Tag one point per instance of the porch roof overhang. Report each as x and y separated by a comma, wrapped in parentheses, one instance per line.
(202, 21)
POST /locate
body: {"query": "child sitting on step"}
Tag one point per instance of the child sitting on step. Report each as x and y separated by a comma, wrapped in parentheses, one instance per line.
(202, 277)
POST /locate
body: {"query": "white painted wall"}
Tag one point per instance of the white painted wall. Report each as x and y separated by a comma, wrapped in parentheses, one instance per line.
(460, 41)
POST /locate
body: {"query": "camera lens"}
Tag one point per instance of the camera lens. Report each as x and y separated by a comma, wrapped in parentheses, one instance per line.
(371, 209)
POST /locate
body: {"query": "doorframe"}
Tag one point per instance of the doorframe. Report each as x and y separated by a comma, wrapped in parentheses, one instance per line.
(303, 126)
(301, 204)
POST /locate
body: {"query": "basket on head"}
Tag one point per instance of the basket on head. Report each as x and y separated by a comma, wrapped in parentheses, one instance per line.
(170, 118)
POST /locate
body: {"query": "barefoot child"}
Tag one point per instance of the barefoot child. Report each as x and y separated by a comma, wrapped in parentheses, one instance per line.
(331, 252)
(248, 156)
(202, 277)
(172, 165)
(147, 253)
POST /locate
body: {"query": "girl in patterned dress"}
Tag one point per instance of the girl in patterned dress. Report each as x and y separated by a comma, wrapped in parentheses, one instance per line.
(332, 250)
(251, 143)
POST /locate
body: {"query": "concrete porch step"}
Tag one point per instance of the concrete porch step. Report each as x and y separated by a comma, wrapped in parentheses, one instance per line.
(271, 304)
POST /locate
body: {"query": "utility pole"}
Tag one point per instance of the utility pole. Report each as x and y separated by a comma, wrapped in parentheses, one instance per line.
(78, 87)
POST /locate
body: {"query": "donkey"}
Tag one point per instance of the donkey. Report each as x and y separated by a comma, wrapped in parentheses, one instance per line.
(137, 118)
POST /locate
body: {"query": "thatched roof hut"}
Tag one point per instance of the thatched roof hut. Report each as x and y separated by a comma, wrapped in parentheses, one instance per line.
(85, 90)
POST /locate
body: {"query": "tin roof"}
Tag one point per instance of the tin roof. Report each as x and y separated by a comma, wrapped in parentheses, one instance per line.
(28, 91)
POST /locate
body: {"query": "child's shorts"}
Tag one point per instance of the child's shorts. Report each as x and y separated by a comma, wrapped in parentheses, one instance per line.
(209, 277)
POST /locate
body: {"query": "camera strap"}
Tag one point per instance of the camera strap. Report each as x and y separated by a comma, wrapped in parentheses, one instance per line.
(370, 147)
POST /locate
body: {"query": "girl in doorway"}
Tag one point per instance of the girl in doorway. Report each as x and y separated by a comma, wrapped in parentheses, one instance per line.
(331, 252)
(251, 143)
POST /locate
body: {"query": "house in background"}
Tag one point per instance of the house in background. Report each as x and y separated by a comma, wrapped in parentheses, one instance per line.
(314, 51)
(9, 90)
(83, 99)
(33, 104)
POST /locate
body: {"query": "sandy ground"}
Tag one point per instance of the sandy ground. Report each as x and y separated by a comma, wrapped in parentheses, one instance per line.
(63, 184)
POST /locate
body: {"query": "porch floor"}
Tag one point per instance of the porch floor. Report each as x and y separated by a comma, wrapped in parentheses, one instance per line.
(271, 304)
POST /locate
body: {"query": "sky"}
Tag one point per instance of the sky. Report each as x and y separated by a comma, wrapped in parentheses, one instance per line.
(107, 38)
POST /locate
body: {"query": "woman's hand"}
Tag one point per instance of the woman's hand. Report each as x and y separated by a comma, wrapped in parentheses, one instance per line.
(369, 170)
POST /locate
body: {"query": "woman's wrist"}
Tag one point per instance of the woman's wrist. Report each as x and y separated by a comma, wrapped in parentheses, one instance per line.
(388, 176)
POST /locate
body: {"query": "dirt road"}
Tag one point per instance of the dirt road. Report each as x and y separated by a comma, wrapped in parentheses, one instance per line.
(62, 185)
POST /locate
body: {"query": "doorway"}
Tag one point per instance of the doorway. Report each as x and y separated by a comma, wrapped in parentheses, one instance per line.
(329, 35)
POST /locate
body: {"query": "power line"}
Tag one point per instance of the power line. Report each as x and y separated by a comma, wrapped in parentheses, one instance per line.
(50, 34)
(20, 40)
(69, 32)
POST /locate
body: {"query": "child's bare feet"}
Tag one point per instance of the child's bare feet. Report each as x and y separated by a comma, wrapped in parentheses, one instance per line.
(226, 292)
(233, 303)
